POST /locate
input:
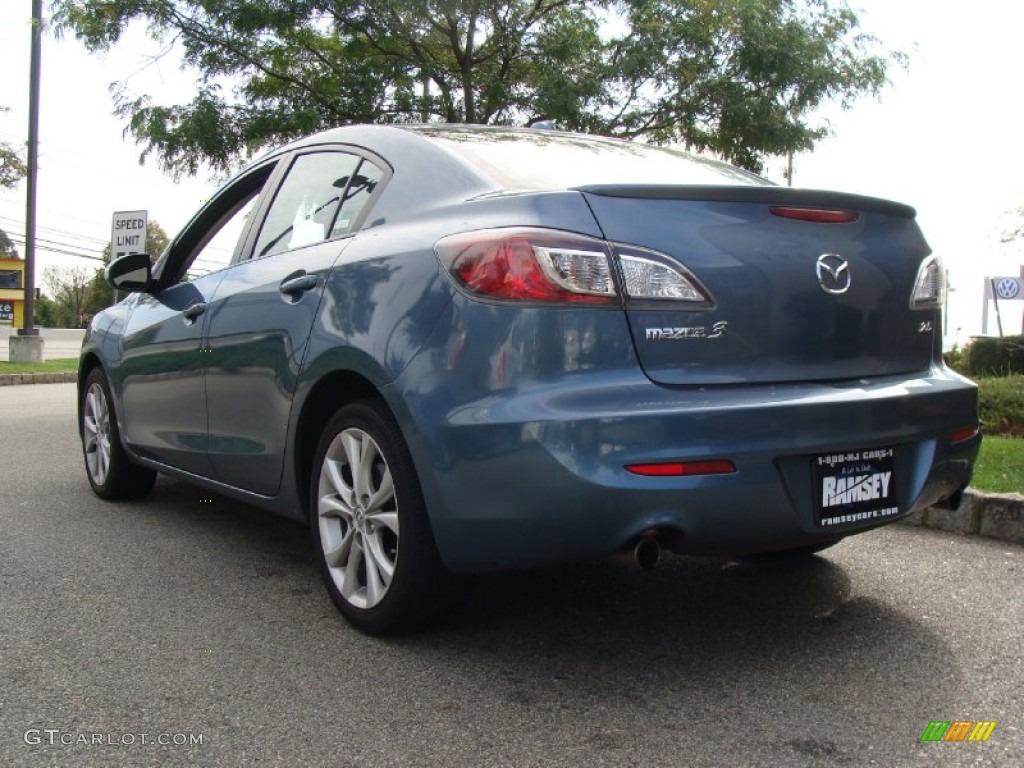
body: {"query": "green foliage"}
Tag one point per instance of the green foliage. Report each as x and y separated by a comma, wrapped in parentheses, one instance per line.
(57, 365)
(956, 359)
(12, 167)
(995, 356)
(7, 247)
(46, 313)
(1000, 466)
(735, 77)
(1001, 405)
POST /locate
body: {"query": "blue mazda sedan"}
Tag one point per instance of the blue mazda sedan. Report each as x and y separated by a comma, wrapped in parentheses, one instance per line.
(452, 349)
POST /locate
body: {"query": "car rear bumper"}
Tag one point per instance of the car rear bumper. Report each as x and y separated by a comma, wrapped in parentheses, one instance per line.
(537, 476)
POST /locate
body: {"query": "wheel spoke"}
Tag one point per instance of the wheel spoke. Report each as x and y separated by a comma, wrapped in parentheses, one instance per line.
(375, 586)
(363, 472)
(352, 443)
(387, 519)
(332, 506)
(378, 562)
(350, 577)
(338, 556)
(384, 493)
(104, 465)
(345, 493)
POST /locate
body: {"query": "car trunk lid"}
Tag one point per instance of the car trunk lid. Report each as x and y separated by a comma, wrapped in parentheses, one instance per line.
(805, 285)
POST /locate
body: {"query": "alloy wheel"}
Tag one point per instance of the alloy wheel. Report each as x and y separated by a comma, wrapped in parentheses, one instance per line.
(96, 434)
(357, 510)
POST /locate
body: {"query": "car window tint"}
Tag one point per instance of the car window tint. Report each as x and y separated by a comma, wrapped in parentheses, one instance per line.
(358, 193)
(306, 203)
(219, 249)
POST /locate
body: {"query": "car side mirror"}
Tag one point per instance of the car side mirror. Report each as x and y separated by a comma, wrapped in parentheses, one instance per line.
(131, 272)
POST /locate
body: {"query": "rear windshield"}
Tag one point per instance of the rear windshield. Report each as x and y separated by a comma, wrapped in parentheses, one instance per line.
(535, 159)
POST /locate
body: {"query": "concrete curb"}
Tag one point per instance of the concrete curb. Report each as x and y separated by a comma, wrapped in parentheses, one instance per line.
(61, 377)
(993, 515)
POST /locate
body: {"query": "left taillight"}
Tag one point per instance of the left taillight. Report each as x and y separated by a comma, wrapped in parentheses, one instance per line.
(543, 265)
(530, 265)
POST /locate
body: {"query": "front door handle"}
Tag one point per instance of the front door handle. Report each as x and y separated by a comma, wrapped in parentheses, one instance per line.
(192, 311)
(296, 286)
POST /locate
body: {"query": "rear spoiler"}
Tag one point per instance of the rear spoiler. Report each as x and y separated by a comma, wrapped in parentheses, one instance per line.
(767, 195)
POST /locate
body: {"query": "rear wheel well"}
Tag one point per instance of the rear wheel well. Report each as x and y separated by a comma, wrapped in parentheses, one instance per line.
(333, 391)
(89, 362)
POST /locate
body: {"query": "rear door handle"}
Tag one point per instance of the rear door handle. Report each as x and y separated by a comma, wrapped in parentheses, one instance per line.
(296, 286)
(193, 311)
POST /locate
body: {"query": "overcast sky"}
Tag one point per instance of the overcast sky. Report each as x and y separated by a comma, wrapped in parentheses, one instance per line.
(944, 137)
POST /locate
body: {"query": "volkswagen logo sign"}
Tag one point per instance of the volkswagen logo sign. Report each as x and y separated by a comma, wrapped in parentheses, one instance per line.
(833, 273)
(1008, 288)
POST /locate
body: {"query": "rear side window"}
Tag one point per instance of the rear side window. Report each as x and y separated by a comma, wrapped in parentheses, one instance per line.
(360, 187)
(307, 203)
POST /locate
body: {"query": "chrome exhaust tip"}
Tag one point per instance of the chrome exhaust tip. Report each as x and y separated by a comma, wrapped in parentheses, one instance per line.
(647, 553)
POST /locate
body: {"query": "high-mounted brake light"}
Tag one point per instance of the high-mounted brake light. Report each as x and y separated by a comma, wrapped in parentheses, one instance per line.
(819, 215)
(683, 468)
(530, 265)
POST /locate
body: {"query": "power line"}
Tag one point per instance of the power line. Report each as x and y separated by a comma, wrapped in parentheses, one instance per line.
(19, 226)
(56, 247)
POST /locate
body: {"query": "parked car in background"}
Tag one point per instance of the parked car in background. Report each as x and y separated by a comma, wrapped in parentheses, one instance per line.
(454, 349)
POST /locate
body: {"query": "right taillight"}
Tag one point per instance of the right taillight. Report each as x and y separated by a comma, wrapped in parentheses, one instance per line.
(548, 266)
(928, 287)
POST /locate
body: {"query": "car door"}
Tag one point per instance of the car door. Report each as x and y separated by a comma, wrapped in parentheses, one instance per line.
(263, 310)
(163, 356)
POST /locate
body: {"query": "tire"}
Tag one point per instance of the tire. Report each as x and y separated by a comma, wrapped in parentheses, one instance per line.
(370, 529)
(111, 473)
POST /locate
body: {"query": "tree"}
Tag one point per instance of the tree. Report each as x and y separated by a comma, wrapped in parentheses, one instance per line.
(7, 247)
(736, 77)
(68, 288)
(12, 167)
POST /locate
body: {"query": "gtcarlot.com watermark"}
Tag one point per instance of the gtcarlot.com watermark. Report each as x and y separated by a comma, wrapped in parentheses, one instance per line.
(56, 737)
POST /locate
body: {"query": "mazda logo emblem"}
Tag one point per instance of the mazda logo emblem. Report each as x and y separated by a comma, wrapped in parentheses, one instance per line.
(833, 273)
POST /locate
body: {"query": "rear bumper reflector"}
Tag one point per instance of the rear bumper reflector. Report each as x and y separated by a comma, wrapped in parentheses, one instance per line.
(683, 468)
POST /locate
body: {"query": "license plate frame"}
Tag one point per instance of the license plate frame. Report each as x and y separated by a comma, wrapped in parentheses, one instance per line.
(855, 488)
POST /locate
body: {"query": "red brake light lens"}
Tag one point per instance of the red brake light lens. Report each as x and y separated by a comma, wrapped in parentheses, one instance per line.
(529, 265)
(819, 215)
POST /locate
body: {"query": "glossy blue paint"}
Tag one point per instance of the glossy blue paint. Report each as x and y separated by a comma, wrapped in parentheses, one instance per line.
(520, 418)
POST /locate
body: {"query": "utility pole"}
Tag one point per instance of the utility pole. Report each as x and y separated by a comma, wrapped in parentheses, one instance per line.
(27, 345)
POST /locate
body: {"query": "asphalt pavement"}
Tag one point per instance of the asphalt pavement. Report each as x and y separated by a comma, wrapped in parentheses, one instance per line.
(190, 630)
